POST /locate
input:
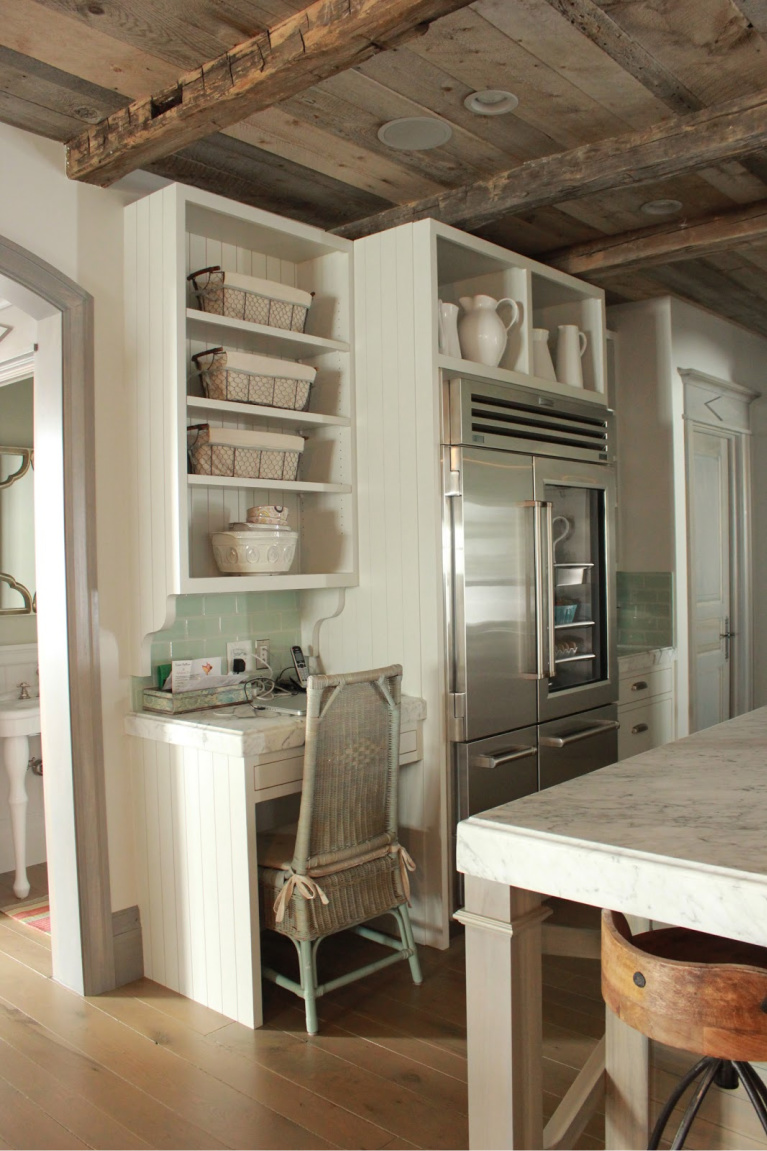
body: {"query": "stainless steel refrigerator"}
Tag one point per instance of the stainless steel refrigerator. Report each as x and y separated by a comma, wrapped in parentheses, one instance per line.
(529, 590)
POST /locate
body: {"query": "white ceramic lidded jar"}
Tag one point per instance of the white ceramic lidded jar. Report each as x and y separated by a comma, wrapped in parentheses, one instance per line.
(481, 330)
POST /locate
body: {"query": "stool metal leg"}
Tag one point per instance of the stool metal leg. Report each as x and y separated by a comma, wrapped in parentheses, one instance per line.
(695, 1102)
(673, 1099)
(757, 1092)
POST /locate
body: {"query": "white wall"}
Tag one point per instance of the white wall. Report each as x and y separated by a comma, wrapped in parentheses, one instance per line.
(78, 229)
(657, 338)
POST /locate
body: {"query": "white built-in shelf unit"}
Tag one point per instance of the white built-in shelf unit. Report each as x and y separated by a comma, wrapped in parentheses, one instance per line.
(169, 234)
(468, 266)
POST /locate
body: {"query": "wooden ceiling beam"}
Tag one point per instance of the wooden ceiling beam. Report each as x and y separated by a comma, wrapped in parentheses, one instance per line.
(666, 244)
(665, 150)
(327, 37)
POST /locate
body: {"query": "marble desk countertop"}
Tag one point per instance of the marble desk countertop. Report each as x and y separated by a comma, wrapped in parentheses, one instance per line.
(237, 731)
(632, 660)
(675, 834)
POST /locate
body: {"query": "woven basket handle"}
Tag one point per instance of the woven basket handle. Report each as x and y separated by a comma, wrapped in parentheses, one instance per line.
(201, 355)
(204, 271)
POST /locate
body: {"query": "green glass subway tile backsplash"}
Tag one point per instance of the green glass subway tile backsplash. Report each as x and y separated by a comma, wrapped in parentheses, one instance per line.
(205, 624)
(645, 609)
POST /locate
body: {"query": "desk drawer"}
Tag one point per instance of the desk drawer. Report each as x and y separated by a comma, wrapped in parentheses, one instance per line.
(646, 684)
(288, 770)
(646, 726)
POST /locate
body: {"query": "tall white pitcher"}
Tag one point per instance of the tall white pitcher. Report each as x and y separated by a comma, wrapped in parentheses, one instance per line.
(481, 330)
(571, 344)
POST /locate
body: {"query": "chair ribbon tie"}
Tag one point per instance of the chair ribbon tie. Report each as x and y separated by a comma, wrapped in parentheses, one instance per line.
(406, 863)
(306, 887)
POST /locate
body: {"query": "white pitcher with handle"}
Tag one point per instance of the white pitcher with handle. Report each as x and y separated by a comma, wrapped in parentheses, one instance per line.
(481, 330)
(571, 344)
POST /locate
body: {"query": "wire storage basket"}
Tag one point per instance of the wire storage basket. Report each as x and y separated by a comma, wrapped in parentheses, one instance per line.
(251, 379)
(248, 298)
(235, 452)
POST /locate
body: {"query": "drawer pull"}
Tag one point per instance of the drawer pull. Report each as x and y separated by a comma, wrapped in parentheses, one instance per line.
(640, 685)
(493, 761)
(638, 728)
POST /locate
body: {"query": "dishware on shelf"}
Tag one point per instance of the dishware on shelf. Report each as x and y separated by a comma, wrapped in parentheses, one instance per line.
(543, 365)
(250, 298)
(565, 612)
(243, 378)
(244, 552)
(268, 514)
(564, 526)
(253, 455)
(571, 344)
(447, 319)
(481, 331)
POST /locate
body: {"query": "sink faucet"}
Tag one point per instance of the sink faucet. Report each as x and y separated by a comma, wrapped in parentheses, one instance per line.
(24, 690)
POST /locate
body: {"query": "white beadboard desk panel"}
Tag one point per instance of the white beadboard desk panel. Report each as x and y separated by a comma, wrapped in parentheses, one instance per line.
(675, 834)
(169, 234)
(396, 613)
(197, 780)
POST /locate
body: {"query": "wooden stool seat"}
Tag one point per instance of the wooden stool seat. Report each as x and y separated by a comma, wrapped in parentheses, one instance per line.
(694, 991)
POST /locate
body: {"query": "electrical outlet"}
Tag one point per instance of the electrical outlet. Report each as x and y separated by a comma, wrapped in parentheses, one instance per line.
(261, 648)
(240, 649)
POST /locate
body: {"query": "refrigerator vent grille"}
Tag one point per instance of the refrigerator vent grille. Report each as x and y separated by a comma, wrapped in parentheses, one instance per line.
(493, 416)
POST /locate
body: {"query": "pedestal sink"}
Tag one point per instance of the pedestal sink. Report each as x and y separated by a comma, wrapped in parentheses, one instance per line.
(19, 718)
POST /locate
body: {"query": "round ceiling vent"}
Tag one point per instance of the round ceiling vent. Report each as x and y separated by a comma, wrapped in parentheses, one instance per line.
(491, 102)
(661, 207)
(415, 133)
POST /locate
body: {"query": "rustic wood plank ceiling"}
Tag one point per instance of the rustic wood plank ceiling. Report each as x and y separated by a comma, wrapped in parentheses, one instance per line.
(585, 71)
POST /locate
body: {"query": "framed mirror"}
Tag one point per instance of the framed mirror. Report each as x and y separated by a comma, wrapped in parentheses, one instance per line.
(17, 531)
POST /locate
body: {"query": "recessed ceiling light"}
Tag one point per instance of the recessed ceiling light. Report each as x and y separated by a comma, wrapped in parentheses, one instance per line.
(415, 133)
(491, 102)
(661, 207)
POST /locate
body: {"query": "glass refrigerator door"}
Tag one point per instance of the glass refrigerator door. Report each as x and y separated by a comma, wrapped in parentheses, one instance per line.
(581, 580)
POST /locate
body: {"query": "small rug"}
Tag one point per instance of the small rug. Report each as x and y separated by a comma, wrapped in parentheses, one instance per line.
(34, 912)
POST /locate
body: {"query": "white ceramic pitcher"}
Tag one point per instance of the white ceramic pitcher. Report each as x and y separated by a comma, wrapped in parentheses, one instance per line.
(481, 330)
(571, 344)
(447, 318)
(543, 365)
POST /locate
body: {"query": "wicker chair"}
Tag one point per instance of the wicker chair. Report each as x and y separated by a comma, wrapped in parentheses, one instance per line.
(343, 864)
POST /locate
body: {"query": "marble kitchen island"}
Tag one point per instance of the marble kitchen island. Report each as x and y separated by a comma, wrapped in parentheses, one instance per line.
(676, 834)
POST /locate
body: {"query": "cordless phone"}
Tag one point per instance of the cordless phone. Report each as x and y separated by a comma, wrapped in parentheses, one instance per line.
(299, 663)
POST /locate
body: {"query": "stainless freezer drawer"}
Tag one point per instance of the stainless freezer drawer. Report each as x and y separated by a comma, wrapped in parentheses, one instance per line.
(496, 770)
(577, 745)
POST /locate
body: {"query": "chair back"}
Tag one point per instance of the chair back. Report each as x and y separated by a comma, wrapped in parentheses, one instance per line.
(351, 768)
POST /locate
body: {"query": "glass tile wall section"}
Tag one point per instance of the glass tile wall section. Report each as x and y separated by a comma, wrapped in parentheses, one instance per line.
(645, 610)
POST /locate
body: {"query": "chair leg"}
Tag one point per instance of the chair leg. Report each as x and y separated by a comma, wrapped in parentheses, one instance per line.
(308, 983)
(695, 1103)
(406, 932)
(673, 1099)
(755, 1088)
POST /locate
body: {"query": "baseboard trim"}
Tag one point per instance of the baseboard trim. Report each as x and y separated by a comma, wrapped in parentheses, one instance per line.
(128, 947)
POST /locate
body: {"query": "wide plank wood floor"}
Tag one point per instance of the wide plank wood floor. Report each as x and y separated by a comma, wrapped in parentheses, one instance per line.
(144, 1067)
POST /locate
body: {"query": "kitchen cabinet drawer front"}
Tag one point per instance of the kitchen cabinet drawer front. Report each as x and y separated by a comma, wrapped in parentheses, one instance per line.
(644, 685)
(645, 727)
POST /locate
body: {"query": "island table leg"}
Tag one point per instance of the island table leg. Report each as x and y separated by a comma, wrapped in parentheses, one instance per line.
(627, 1096)
(503, 1009)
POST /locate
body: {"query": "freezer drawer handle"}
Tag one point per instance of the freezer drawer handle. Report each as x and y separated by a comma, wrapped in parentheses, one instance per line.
(505, 757)
(640, 685)
(577, 736)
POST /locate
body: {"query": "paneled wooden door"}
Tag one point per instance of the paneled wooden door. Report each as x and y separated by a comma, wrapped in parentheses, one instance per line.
(711, 545)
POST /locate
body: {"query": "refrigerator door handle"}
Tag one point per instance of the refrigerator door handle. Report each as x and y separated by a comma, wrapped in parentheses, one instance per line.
(550, 616)
(491, 761)
(577, 736)
(539, 506)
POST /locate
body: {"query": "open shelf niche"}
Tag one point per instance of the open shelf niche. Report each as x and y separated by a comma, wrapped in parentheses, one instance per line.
(169, 234)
